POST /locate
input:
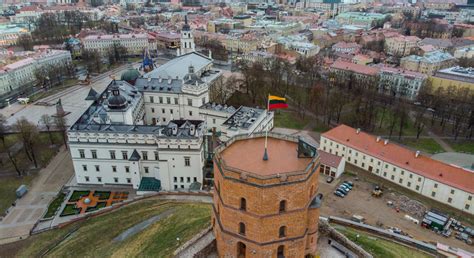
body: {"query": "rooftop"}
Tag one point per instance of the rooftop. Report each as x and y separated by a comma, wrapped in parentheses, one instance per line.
(402, 157)
(178, 67)
(244, 118)
(329, 159)
(282, 156)
(356, 68)
(457, 73)
(430, 57)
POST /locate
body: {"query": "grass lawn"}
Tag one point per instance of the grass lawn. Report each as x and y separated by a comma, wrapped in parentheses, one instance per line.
(8, 186)
(321, 127)
(70, 209)
(408, 129)
(423, 144)
(462, 146)
(55, 205)
(379, 247)
(288, 119)
(94, 238)
(77, 195)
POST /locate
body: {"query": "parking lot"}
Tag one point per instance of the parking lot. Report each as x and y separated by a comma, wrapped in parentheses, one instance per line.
(359, 201)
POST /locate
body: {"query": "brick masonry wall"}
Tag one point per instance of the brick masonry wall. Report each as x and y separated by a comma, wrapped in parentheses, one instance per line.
(262, 218)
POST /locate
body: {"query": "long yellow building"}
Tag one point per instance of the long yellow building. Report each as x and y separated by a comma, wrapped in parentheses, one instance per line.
(458, 77)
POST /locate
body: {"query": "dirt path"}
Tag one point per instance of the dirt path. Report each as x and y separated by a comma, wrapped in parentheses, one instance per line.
(143, 225)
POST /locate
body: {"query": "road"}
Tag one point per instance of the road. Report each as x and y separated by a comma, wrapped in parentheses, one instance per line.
(72, 99)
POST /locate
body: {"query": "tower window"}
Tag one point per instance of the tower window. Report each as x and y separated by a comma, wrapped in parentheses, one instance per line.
(282, 231)
(242, 228)
(281, 251)
(282, 206)
(243, 204)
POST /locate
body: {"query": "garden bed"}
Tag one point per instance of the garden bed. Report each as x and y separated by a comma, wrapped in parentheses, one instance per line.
(99, 205)
(77, 195)
(55, 205)
(103, 195)
(70, 209)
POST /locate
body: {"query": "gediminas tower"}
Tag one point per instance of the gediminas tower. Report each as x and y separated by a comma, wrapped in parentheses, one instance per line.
(266, 208)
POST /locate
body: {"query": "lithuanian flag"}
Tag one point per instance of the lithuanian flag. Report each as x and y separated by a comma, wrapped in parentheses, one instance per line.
(275, 102)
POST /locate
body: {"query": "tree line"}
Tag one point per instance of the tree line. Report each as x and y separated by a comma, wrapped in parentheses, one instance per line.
(23, 135)
(332, 98)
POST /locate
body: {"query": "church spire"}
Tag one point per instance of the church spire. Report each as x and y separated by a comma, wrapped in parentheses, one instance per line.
(187, 40)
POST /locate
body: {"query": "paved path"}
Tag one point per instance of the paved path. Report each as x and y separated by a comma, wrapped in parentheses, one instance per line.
(197, 246)
(143, 225)
(29, 209)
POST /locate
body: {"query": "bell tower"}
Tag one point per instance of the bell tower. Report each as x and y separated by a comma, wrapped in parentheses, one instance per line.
(187, 40)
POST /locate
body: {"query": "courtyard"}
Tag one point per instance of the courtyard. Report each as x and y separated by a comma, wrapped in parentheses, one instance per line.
(376, 211)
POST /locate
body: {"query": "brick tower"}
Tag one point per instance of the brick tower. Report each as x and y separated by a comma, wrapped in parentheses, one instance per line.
(266, 208)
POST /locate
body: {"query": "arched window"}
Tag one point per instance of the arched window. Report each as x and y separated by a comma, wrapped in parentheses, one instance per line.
(243, 204)
(281, 251)
(282, 231)
(241, 228)
(241, 249)
(282, 206)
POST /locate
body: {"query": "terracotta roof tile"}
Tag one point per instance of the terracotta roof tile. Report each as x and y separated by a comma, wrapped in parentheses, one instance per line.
(329, 159)
(402, 157)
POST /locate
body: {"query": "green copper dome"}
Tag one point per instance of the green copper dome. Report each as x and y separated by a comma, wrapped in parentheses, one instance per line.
(130, 76)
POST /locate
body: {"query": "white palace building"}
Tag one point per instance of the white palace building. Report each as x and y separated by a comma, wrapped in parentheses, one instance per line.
(151, 135)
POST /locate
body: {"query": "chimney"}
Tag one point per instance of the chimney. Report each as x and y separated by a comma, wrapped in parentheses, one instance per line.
(358, 130)
(417, 153)
(175, 130)
(192, 129)
(378, 138)
(385, 142)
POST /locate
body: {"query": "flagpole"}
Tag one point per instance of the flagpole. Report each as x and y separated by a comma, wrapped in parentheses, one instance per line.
(265, 154)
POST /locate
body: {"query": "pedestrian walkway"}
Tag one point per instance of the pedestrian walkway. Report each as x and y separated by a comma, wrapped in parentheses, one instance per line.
(28, 210)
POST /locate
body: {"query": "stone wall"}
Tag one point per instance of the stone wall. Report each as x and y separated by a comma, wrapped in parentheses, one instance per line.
(326, 230)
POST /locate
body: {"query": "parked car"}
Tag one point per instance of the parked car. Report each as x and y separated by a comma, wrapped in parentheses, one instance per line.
(329, 179)
(347, 186)
(338, 193)
(343, 190)
(349, 183)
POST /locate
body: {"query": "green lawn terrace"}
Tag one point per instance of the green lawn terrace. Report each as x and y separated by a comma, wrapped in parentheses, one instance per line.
(97, 236)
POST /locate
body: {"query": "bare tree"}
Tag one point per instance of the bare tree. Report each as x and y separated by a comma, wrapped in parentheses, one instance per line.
(48, 122)
(28, 135)
(61, 124)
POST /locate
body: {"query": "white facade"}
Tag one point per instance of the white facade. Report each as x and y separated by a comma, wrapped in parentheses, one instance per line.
(111, 145)
(401, 83)
(134, 43)
(175, 162)
(435, 189)
(21, 73)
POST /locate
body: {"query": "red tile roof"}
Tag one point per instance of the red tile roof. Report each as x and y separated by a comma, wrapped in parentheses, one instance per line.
(402, 157)
(329, 159)
(356, 68)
